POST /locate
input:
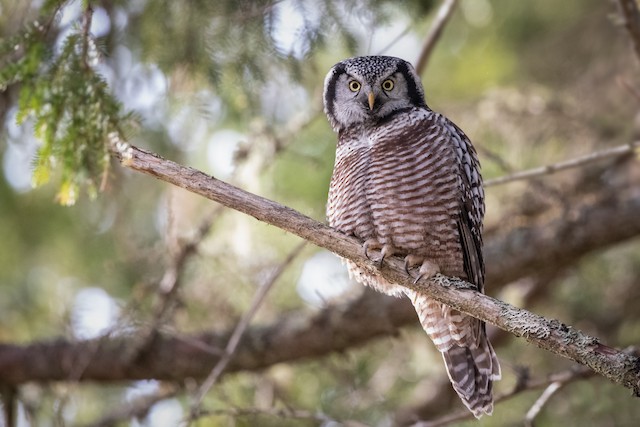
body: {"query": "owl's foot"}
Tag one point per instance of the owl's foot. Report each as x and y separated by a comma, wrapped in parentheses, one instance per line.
(427, 269)
(385, 250)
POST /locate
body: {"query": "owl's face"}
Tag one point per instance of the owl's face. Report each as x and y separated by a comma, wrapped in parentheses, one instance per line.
(366, 89)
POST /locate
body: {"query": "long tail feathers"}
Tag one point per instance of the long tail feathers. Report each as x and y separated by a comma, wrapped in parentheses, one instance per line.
(470, 360)
(472, 372)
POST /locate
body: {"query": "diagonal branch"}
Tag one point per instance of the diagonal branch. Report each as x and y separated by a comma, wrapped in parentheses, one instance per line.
(240, 329)
(550, 335)
(524, 384)
(440, 21)
(539, 404)
(567, 164)
(169, 284)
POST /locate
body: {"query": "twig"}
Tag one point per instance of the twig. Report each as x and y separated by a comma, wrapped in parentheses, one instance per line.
(535, 409)
(138, 408)
(282, 140)
(169, 284)
(542, 188)
(547, 334)
(142, 405)
(394, 40)
(87, 17)
(631, 17)
(440, 21)
(238, 332)
(567, 164)
(524, 384)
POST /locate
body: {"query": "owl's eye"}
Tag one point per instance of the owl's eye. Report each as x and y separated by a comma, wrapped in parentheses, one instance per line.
(354, 86)
(387, 85)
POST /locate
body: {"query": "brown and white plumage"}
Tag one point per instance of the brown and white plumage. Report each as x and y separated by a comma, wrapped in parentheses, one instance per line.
(406, 181)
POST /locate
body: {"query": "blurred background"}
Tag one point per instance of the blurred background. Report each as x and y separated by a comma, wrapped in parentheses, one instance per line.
(234, 89)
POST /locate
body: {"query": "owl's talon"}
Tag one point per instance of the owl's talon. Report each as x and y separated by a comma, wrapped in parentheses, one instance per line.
(385, 250)
(411, 261)
(406, 268)
(371, 244)
(427, 268)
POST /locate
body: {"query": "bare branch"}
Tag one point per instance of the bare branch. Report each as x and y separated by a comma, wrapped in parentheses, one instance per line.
(87, 17)
(440, 21)
(394, 40)
(138, 408)
(541, 401)
(240, 329)
(567, 164)
(631, 17)
(524, 384)
(168, 285)
(550, 335)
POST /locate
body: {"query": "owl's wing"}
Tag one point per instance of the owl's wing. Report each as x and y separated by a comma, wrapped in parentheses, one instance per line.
(471, 207)
(473, 263)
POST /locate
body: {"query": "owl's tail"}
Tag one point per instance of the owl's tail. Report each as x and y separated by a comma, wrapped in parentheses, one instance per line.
(471, 362)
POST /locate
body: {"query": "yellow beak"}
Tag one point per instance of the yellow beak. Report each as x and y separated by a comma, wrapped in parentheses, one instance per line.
(371, 99)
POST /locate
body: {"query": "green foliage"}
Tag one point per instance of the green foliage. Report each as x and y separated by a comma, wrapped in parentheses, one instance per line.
(75, 116)
(24, 67)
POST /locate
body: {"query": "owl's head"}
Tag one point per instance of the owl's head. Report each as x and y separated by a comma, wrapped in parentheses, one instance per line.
(370, 88)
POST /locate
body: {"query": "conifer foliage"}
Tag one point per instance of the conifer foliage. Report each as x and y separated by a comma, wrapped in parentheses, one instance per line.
(74, 114)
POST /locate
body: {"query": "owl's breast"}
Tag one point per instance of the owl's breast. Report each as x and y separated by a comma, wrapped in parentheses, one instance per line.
(398, 183)
(413, 188)
(348, 208)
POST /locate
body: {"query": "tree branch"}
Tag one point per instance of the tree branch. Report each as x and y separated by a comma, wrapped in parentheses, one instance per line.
(138, 408)
(240, 329)
(539, 404)
(525, 383)
(524, 251)
(440, 21)
(550, 335)
(567, 164)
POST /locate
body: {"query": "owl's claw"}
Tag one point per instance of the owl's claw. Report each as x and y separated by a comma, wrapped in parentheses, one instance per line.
(411, 261)
(407, 266)
(385, 250)
(368, 245)
(427, 269)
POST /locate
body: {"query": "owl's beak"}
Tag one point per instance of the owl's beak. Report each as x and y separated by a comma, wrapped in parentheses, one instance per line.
(372, 100)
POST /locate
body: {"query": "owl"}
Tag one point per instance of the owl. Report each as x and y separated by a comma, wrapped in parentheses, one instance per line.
(406, 182)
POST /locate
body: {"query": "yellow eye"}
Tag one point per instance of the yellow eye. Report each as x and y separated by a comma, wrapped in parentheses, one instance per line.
(387, 85)
(354, 86)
